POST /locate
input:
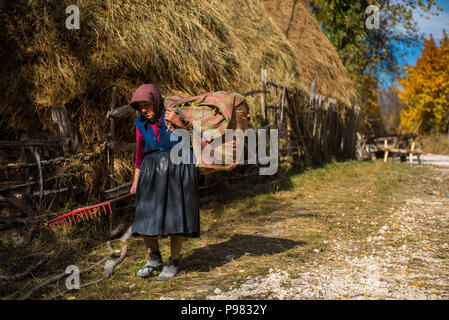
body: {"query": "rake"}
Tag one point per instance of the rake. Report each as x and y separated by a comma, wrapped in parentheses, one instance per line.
(83, 213)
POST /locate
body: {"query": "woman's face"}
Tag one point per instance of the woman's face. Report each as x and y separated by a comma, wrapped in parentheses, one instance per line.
(147, 109)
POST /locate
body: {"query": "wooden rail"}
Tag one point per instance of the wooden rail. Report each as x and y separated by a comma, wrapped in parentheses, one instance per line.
(32, 143)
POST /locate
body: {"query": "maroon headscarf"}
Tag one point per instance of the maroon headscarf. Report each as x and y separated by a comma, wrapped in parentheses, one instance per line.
(149, 93)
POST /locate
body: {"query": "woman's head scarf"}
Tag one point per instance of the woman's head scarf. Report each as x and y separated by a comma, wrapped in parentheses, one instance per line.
(149, 93)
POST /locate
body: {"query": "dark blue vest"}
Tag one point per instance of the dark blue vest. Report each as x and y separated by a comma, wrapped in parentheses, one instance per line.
(151, 143)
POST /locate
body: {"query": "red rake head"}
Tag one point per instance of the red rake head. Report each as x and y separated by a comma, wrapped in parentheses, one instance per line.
(83, 213)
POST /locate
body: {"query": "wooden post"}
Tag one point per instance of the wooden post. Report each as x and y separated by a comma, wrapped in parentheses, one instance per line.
(65, 130)
(274, 96)
(30, 173)
(263, 106)
(412, 148)
(112, 136)
(290, 129)
(313, 87)
(111, 181)
(39, 168)
(281, 115)
(386, 150)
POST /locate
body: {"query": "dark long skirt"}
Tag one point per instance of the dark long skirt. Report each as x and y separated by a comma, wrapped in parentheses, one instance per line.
(166, 198)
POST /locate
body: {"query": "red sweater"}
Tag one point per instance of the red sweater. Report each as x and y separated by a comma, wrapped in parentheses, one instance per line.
(141, 144)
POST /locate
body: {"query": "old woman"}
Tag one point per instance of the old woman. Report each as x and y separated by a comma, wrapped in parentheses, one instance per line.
(166, 193)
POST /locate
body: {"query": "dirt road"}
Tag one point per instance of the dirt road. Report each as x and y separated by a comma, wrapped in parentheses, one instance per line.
(407, 257)
(429, 159)
(435, 159)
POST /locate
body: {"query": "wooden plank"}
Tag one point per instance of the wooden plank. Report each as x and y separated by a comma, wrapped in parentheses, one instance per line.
(32, 183)
(411, 151)
(39, 169)
(30, 174)
(395, 150)
(117, 191)
(81, 156)
(355, 127)
(305, 122)
(110, 177)
(255, 92)
(263, 110)
(122, 147)
(282, 113)
(272, 83)
(120, 112)
(65, 130)
(326, 138)
(274, 96)
(32, 143)
(313, 88)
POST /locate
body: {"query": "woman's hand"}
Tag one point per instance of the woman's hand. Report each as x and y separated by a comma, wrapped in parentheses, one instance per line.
(135, 180)
(171, 116)
(133, 188)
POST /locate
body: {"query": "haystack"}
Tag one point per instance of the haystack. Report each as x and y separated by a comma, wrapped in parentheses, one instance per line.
(316, 57)
(187, 47)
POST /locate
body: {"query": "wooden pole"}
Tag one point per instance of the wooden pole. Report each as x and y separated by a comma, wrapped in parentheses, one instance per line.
(31, 143)
(412, 148)
(282, 113)
(274, 101)
(39, 168)
(65, 130)
(263, 81)
(111, 182)
(386, 150)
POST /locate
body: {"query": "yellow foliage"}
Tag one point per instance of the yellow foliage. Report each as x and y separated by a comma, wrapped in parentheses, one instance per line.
(425, 89)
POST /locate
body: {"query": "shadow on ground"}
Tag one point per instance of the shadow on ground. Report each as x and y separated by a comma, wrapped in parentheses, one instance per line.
(209, 257)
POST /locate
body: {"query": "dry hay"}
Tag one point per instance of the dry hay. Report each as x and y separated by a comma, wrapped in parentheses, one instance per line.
(186, 47)
(317, 58)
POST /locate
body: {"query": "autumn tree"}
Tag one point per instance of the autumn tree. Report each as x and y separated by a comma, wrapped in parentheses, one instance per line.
(425, 89)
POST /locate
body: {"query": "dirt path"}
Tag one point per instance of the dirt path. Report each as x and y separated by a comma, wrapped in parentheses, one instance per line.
(435, 159)
(405, 258)
(429, 159)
